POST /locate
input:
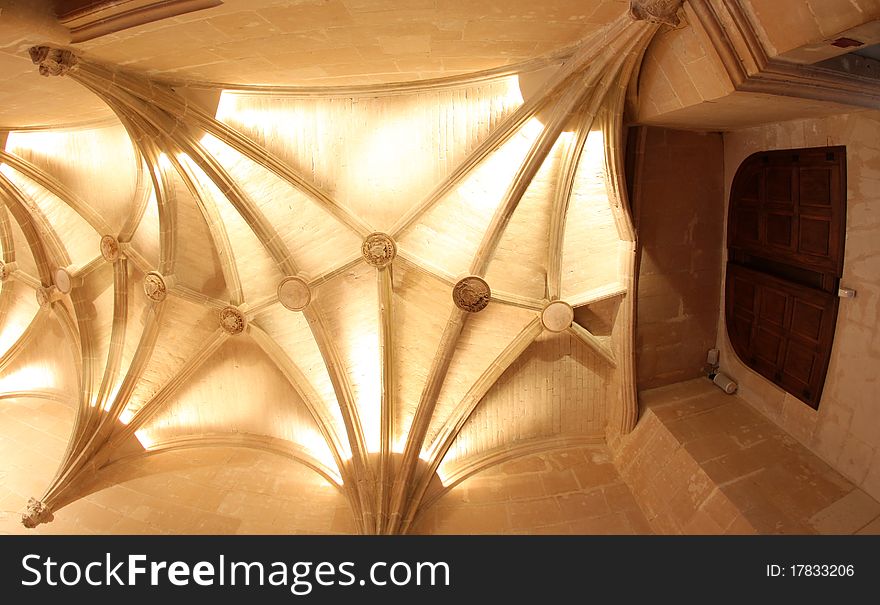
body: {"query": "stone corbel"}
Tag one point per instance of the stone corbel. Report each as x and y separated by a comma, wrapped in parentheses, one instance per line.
(53, 61)
(656, 11)
(37, 513)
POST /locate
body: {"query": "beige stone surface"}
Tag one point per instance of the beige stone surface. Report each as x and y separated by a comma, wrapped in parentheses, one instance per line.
(725, 468)
(290, 182)
(682, 69)
(379, 364)
(203, 491)
(788, 24)
(678, 209)
(567, 491)
(686, 84)
(275, 42)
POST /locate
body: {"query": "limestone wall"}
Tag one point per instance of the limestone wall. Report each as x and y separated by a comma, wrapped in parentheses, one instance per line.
(679, 215)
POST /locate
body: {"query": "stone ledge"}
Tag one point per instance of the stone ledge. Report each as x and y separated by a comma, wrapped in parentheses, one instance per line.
(702, 462)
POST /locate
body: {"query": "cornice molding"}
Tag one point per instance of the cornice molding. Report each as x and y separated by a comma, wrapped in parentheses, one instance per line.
(750, 67)
(103, 17)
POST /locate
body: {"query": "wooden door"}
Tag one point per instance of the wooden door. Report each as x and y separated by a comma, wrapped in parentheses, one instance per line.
(786, 228)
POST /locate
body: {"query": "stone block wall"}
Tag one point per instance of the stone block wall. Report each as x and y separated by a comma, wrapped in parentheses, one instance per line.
(678, 209)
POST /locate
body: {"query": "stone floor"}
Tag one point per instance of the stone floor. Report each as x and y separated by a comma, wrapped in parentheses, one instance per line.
(570, 491)
(703, 462)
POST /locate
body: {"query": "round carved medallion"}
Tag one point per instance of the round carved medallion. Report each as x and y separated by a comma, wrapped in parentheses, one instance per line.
(63, 281)
(557, 316)
(379, 249)
(294, 293)
(471, 294)
(232, 320)
(109, 248)
(154, 286)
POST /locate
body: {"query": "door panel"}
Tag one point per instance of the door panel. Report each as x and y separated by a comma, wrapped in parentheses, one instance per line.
(786, 227)
(789, 340)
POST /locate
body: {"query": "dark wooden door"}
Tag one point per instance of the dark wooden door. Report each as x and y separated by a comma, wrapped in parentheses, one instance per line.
(786, 228)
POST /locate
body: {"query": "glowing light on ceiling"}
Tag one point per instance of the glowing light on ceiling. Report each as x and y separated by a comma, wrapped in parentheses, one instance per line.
(29, 378)
(126, 416)
(43, 142)
(461, 448)
(315, 445)
(113, 394)
(17, 319)
(444, 478)
(595, 146)
(145, 438)
(368, 376)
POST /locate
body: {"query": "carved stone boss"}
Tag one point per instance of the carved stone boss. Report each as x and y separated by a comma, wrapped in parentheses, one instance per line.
(471, 294)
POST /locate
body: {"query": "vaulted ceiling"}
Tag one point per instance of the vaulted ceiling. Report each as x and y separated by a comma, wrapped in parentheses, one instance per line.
(281, 43)
(364, 280)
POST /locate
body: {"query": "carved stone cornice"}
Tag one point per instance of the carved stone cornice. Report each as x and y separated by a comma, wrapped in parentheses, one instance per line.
(90, 20)
(37, 513)
(53, 61)
(751, 69)
(656, 11)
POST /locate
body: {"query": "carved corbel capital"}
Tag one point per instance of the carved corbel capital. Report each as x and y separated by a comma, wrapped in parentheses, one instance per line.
(37, 513)
(53, 61)
(655, 11)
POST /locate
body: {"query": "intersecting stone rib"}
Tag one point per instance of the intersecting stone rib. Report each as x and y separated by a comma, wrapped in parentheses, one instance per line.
(446, 437)
(312, 400)
(216, 228)
(388, 389)
(424, 412)
(58, 189)
(117, 334)
(593, 342)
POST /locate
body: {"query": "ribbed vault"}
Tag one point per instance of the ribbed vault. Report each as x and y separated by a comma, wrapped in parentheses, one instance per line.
(354, 280)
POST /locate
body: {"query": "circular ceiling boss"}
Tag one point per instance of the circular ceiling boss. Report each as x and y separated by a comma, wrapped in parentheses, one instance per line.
(379, 249)
(109, 248)
(62, 280)
(471, 294)
(294, 293)
(557, 316)
(232, 320)
(154, 286)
